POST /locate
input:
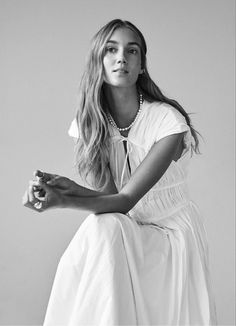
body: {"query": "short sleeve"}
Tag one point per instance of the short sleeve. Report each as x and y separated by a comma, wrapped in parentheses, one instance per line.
(73, 130)
(173, 122)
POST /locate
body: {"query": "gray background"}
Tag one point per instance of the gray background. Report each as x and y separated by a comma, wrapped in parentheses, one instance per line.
(42, 53)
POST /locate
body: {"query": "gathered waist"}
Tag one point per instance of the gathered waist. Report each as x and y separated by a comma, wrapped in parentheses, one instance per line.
(161, 203)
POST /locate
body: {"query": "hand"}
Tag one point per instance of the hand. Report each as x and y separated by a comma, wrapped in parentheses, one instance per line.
(65, 185)
(41, 196)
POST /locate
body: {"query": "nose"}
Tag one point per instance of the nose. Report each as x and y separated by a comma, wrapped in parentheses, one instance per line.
(121, 59)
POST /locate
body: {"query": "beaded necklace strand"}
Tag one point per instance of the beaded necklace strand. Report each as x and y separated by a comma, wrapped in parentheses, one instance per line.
(112, 122)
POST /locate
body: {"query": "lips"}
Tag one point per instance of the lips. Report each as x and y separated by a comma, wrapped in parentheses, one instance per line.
(122, 70)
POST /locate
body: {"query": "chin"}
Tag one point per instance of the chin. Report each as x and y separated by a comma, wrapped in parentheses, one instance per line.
(121, 83)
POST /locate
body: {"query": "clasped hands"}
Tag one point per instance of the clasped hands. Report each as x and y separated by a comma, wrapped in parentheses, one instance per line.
(48, 191)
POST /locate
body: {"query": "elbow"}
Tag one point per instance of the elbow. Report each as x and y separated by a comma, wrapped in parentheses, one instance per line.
(126, 203)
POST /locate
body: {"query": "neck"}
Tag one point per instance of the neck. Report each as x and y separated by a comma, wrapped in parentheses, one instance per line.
(123, 103)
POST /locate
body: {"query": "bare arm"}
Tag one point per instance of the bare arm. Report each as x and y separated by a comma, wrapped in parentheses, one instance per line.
(53, 191)
(69, 187)
(146, 175)
(81, 191)
(65, 193)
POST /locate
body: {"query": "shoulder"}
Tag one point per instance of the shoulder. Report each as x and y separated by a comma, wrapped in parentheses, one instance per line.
(158, 111)
(158, 116)
(160, 120)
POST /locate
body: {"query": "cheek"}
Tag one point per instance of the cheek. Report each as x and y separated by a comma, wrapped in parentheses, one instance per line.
(104, 67)
(107, 62)
(136, 63)
(104, 64)
(105, 70)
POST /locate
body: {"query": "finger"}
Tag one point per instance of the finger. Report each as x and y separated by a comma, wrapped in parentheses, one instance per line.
(27, 203)
(44, 187)
(38, 190)
(36, 184)
(40, 195)
(31, 195)
(38, 173)
(60, 182)
(43, 175)
(42, 199)
(52, 182)
(57, 180)
(38, 206)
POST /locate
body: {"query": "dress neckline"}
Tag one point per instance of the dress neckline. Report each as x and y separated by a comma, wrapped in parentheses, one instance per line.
(118, 133)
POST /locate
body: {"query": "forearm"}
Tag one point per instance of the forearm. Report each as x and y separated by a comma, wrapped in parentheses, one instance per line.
(81, 191)
(99, 204)
(86, 192)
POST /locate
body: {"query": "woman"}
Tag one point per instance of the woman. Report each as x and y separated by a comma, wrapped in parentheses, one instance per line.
(141, 257)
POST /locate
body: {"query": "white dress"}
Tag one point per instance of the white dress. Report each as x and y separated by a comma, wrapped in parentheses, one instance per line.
(149, 267)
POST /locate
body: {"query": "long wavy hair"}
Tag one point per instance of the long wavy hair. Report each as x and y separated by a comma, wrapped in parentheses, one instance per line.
(92, 158)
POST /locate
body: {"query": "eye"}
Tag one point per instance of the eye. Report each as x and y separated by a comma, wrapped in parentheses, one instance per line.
(133, 51)
(110, 49)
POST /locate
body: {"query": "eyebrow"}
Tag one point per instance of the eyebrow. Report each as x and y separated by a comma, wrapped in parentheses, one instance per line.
(129, 43)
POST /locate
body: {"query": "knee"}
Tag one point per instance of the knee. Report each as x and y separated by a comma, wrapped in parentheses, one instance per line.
(97, 231)
(106, 225)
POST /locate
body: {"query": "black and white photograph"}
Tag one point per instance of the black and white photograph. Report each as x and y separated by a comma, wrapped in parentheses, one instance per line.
(117, 162)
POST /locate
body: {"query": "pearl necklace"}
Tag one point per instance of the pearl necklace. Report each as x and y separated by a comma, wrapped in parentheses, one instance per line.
(112, 122)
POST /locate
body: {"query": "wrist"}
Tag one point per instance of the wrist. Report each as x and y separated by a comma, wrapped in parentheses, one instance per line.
(63, 201)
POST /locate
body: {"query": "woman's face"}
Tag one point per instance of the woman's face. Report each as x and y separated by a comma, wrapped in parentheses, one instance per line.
(122, 59)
